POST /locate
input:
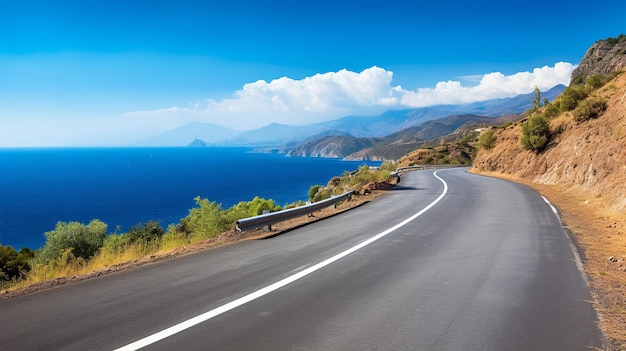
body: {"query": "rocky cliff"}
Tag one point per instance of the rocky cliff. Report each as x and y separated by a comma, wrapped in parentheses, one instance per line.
(604, 56)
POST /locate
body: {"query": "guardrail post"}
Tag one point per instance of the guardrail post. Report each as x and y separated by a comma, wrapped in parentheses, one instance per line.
(267, 228)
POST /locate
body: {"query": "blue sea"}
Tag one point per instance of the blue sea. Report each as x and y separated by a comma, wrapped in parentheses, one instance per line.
(127, 186)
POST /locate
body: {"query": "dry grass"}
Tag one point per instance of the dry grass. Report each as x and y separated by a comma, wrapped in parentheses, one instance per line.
(173, 246)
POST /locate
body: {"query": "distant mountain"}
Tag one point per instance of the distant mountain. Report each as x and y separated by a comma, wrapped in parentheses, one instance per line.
(333, 146)
(272, 135)
(394, 121)
(210, 134)
(392, 146)
(280, 135)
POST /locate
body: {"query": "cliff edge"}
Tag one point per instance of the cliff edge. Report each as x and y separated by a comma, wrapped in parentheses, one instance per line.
(604, 57)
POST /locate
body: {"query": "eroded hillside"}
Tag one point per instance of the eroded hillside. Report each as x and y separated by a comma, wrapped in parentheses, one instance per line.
(583, 171)
(587, 156)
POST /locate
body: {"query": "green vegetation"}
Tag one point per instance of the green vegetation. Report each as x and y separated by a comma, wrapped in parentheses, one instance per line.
(487, 140)
(589, 108)
(74, 248)
(73, 238)
(615, 41)
(537, 102)
(571, 96)
(14, 265)
(536, 132)
(313, 191)
(578, 98)
(596, 81)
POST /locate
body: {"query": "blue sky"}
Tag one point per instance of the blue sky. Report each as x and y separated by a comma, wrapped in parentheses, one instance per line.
(111, 72)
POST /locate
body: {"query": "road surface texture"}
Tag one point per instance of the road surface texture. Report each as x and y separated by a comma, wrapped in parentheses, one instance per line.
(446, 261)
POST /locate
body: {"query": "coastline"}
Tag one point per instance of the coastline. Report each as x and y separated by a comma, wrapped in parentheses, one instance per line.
(226, 238)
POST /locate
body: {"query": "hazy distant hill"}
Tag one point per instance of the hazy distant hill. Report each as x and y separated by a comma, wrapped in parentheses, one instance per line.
(392, 146)
(280, 135)
(208, 133)
(336, 146)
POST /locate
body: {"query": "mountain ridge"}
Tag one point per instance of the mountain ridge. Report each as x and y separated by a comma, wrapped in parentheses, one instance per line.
(277, 135)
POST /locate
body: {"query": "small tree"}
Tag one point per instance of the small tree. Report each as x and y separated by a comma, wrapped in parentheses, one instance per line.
(536, 132)
(536, 100)
(82, 240)
(206, 220)
(13, 265)
(151, 231)
(487, 140)
(571, 96)
(313, 191)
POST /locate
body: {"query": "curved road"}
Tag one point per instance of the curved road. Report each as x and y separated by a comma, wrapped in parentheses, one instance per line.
(446, 261)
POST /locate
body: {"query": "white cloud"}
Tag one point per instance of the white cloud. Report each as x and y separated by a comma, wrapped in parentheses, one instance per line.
(336, 94)
(491, 86)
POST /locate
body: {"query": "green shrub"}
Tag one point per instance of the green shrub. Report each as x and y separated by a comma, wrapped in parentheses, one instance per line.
(322, 194)
(553, 109)
(295, 204)
(487, 140)
(149, 232)
(615, 41)
(206, 220)
(14, 265)
(82, 240)
(596, 81)
(590, 108)
(313, 191)
(388, 166)
(245, 209)
(578, 80)
(115, 243)
(536, 132)
(571, 96)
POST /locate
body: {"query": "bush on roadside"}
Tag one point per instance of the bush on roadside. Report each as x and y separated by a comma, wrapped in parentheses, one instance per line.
(83, 241)
(245, 209)
(206, 220)
(14, 265)
(313, 191)
(148, 232)
(536, 132)
(388, 166)
(322, 194)
(487, 140)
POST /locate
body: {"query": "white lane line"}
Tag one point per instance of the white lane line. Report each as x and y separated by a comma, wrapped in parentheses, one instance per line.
(556, 212)
(573, 248)
(165, 333)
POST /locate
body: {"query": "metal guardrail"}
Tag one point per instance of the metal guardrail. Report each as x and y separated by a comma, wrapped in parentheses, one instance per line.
(275, 217)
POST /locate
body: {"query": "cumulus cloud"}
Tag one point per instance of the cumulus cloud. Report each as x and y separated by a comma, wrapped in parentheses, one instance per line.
(491, 86)
(332, 95)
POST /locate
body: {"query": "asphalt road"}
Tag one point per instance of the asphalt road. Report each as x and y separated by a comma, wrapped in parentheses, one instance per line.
(447, 261)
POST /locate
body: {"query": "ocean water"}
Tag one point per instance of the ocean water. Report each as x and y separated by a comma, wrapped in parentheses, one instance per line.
(127, 186)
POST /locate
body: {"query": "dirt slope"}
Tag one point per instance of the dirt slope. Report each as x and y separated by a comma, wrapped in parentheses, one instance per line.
(583, 172)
